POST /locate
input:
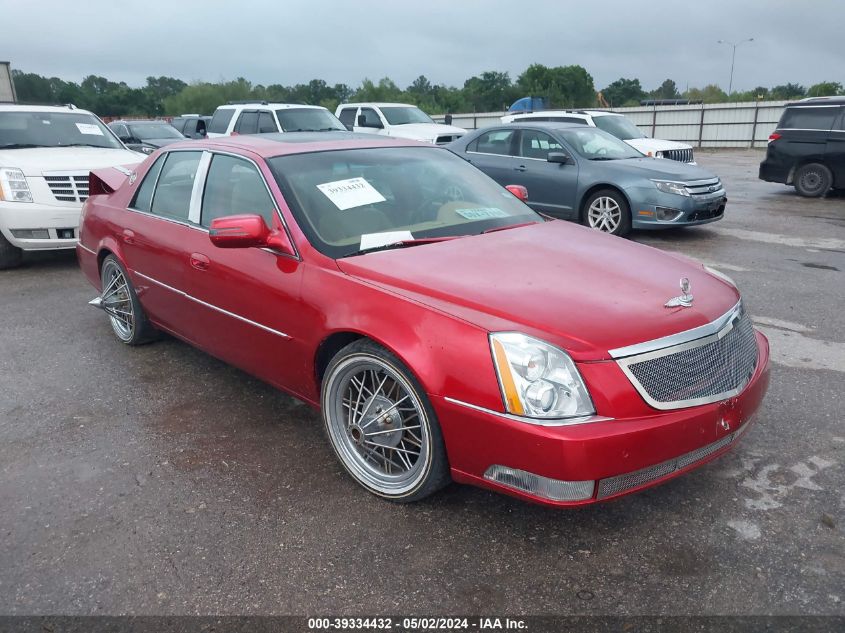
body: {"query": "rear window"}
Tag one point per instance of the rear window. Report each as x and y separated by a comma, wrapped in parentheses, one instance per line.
(805, 118)
(220, 121)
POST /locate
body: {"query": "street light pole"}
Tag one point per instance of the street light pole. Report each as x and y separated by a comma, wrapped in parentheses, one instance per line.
(733, 59)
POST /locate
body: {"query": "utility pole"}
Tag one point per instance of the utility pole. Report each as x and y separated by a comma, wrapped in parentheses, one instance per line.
(733, 59)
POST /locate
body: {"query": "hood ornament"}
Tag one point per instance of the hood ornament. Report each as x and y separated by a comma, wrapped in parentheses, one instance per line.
(685, 300)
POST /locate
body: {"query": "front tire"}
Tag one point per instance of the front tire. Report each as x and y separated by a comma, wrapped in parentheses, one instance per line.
(812, 180)
(607, 211)
(10, 256)
(381, 426)
(120, 302)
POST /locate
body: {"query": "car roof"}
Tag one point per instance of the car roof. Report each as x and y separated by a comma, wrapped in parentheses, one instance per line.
(582, 113)
(137, 121)
(279, 144)
(17, 107)
(378, 104)
(268, 105)
(553, 125)
(815, 101)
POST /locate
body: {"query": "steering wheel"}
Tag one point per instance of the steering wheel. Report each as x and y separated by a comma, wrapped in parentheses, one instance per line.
(447, 190)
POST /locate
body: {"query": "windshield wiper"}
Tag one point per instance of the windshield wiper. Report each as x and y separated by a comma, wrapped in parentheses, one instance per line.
(509, 226)
(602, 158)
(402, 244)
(84, 145)
(20, 145)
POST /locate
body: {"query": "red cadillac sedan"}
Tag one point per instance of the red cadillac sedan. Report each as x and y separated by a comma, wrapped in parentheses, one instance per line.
(444, 330)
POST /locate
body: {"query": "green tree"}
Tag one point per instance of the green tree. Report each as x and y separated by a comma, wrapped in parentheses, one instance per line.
(562, 86)
(624, 92)
(491, 91)
(825, 89)
(787, 91)
(711, 93)
(666, 90)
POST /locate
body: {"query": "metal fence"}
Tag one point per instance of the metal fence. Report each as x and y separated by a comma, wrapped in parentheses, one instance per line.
(745, 124)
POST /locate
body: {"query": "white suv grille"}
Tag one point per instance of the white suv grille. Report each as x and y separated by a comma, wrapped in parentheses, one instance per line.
(68, 187)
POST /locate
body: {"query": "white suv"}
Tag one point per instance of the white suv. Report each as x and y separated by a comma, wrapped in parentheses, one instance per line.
(46, 153)
(620, 126)
(263, 117)
(396, 119)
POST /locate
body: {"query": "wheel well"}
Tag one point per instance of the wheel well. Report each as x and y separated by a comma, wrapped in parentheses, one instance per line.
(329, 348)
(593, 189)
(790, 178)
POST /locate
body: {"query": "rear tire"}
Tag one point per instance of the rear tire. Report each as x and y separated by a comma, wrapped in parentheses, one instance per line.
(607, 211)
(812, 180)
(10, 256)
(127, 317)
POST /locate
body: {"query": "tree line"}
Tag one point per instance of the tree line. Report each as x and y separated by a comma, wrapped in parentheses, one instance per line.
(561, 86)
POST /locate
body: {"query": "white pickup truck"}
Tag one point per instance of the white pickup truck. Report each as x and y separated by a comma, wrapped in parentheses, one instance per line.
(396, 119)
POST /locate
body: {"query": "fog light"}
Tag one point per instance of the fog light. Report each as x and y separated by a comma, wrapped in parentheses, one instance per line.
(553, 489)
(31, 234)
(665, 214)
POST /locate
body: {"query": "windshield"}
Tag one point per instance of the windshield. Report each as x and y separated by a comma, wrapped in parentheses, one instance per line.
(145, 131)
(53, 129)
(348, 200)
(402, 115)
(308, 120)
(593, 144)
(619, 126)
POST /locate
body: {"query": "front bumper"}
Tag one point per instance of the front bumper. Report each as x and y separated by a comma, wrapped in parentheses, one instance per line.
(647, 206)
(24, 224)
(639, 448)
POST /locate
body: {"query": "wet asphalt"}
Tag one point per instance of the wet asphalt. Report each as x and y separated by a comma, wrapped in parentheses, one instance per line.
(158, 480)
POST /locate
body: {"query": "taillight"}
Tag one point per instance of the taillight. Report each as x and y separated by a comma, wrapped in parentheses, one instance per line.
(773, 136)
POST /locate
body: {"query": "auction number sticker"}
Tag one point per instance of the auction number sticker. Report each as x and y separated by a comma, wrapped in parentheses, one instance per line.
(89, 128)
(482, 213)
(350, 193)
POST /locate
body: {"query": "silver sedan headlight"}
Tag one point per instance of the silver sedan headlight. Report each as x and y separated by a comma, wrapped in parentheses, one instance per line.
(538, 380)
(147, 149)
(667, 186)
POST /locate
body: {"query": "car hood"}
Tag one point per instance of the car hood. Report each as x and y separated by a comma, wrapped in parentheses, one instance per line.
(658, 168)
(35, 161)
(424, 131)
(583, 290)
(646, 145)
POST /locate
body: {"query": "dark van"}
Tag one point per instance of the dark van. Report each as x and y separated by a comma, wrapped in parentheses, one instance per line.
(807, 150)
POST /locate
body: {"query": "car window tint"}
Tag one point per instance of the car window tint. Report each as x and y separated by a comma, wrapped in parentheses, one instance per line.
(233, 187)
(347, 116)
(144, 196)
(179, 124)
(266, 124)
(172, 198)
(220, 121)
(370, 116)
(495, 142)
(805, 118)
(534, 144)
(247, 123)
(841, 124)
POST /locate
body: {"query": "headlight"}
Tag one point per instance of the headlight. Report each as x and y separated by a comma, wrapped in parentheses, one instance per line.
(538, 380)
(13, 185)
(720, 275)
(658, 154)
(147, 149)
(667, 186)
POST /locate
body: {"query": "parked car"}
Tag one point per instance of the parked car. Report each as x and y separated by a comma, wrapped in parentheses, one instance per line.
(253, 117)
(613, 123)
(807, 150)
(191, 125)
(581, 173)
(443, 328)
(46, 153)
(396, 119)
(146, 136)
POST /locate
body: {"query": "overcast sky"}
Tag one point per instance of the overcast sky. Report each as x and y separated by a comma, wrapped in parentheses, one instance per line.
(293, 41)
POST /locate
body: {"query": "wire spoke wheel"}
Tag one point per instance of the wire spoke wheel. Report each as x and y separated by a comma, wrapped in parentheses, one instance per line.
(604, 214)
(377, 425)
(117, 301)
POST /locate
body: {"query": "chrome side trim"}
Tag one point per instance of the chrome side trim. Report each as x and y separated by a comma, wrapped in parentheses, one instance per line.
(585, 419)
(679, 338)
(198, 188)
(213, 307)
(85, 248)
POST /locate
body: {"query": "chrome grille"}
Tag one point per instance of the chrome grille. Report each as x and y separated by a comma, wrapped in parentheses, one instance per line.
(68, 187)
(680, 155)
(704, 187)
(447, 138)
(705, 370)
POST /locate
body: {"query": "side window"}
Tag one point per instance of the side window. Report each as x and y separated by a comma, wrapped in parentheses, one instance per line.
(266, 123)
(371, 117)
(567, 119)
(220, 121)
(535, 144)
(473, 146)
(806, 118)
(172, 197)
(235, 186)
(347, 116)
(144, 196)
(247, 123)
(495, 142)
(841, 125)
(178, 123)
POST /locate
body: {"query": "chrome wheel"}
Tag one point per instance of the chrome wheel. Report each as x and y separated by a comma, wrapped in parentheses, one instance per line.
(604, 214)
(377, 425)
(116, 300)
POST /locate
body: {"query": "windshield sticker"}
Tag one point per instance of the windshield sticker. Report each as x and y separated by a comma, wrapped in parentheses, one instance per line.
(350, 193)
(89, 128)
(374, 240)
(482, 213)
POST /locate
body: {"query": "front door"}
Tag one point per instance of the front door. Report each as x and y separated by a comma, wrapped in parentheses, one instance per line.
(494, 153)
(552, 187)
(835, 155)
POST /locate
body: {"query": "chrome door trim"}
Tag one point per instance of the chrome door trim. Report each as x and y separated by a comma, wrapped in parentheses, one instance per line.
(198, 188)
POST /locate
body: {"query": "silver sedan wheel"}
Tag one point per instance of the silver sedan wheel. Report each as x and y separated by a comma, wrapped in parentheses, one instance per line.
(117, 301)
(377, 425)
(604, 214)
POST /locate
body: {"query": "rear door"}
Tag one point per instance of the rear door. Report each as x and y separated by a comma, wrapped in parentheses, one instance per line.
(493, 152)
(804, 132)
(552, 187)
(247, 123)
(835, 155)
(347, 116)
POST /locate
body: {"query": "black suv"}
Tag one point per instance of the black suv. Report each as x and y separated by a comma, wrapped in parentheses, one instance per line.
(191, 125)
(807, 149)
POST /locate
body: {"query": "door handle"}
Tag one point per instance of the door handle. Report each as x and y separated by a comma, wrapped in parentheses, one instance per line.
(128, 236)
(199, 261)
(520, 168)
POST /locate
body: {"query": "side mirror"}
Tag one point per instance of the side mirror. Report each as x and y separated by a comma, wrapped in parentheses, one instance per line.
(125, 139)
(448, 119)
(559, 157)
(519, 191)
(247, 231)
